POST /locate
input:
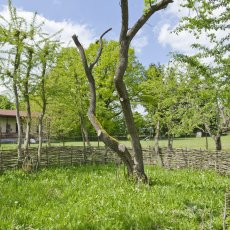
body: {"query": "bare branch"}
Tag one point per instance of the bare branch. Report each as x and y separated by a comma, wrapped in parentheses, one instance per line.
(81, 52)
(100, 50)
(146, 15)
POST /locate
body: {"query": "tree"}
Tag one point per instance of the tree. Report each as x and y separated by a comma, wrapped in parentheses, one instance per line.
(134, 165)
(20, 41)
(69, 92)
(152, 94)
(47, 55)
(13, 38)
(211, 101)
(211, 18)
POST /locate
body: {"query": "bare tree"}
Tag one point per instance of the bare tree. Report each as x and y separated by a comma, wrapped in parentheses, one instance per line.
(134, 164)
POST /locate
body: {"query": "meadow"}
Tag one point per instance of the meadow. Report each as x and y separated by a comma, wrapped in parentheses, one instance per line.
(101, 197)
(189, 142)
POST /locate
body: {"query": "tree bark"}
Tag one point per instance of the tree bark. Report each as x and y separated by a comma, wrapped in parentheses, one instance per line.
(27, 100)
(138, 169)
(40, 131)
(15, 90)
(156, 145)
(28, 128)
(217, 140)
(41, 117)
(156, 138)
(85, 135)
(215, 137)
(18, 119)
(170, 142)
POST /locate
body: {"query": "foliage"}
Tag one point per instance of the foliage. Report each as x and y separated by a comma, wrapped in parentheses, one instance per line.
(109, 108)
(165, 95)
(100, 197)
(5, 103)
(211, 62)
(70, 89)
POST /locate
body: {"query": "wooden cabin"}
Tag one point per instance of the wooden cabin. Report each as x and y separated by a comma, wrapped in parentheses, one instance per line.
(8, 125)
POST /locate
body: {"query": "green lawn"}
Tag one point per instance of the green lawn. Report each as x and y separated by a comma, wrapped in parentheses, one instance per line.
(100, 197)
(193, 143)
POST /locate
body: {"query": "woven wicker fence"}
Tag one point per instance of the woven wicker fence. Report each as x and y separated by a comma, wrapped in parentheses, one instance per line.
(176, 158)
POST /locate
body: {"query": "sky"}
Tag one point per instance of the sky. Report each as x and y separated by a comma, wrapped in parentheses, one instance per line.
(88, 19)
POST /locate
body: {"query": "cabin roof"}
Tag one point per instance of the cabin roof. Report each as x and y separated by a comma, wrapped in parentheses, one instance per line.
(11, 113)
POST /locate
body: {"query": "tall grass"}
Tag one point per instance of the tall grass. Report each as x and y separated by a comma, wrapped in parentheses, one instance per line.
(101, 197)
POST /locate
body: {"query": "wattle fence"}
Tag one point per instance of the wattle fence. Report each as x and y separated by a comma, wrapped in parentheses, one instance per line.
(171, 159)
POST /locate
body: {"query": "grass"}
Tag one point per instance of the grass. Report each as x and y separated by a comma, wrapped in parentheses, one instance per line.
(100, 197)
(192, 143)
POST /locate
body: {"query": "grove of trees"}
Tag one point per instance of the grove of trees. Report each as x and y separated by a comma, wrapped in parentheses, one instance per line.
(94, 90)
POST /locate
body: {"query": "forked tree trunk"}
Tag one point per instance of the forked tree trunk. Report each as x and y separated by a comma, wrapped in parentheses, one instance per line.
(126, 36)
(215, 137)
(134, 165)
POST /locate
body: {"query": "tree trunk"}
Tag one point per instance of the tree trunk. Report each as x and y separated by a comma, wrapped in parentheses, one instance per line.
(44, 103)
(84, 131)
(170, 142)
(40, 136)
(18, 119)
(27, 100)
(83, 138)
(15, 77)
(138, 167)
(206, 140)
(217, 140)
(215, 137)
(28, 125)
(156, 145)
(27, 134)
(156, 138)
